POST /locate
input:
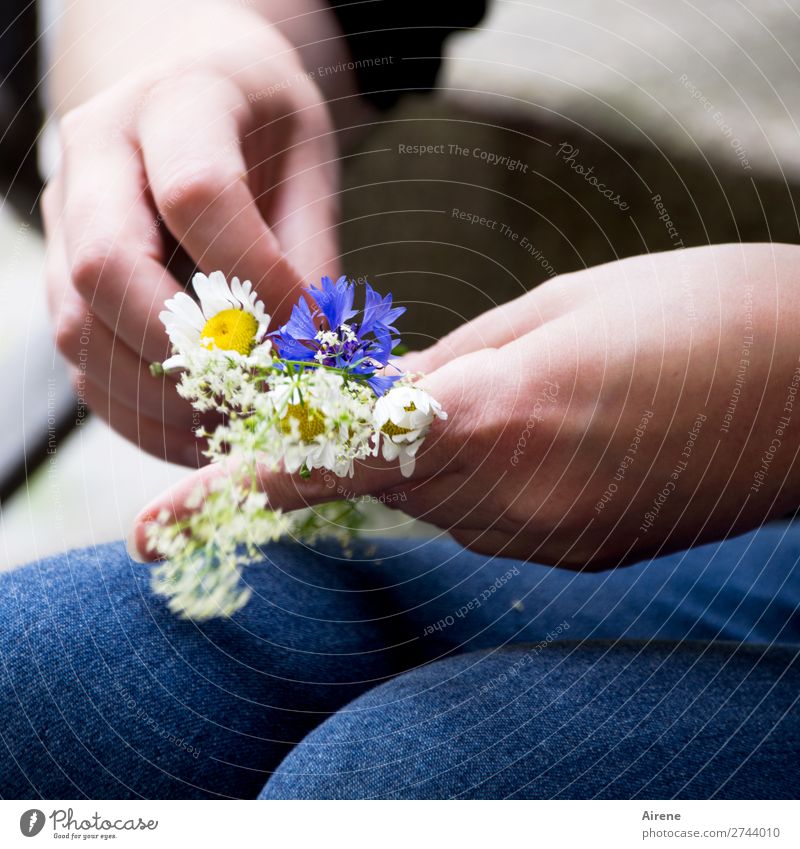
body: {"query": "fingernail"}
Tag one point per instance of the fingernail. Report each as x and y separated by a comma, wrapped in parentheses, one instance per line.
(138, 537)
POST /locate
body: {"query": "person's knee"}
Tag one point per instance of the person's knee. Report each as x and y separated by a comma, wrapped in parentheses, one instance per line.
(564, 721)
(105, 691)
(427, 734)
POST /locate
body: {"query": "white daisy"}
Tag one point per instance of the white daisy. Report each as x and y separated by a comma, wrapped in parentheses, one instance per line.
(403, 417)
(229, 319)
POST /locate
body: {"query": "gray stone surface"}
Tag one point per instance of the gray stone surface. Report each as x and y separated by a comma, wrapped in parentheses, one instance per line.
(619, 67)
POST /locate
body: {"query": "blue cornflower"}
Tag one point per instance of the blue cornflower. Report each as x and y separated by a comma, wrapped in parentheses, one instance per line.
(327, 334)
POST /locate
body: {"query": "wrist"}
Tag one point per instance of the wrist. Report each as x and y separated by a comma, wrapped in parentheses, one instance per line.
(313, 29)
(272, 43)
(759, 421)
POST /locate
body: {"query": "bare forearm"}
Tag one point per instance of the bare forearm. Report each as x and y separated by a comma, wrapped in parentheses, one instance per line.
(312, 28)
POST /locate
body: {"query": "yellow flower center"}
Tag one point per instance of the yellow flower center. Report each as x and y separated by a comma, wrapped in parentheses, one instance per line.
(310, 422)
(391, 429)
(231, 330)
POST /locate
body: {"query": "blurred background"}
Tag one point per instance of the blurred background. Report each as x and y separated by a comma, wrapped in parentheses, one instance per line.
(687, 113)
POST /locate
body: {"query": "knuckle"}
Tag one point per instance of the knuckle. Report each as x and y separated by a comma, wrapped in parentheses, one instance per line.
(68, 334)
(65, 340)
(587, 556)
(188, 193)
(574, 562)
(590, 563)
(518, 512)
(309, 102)
(73, 122)
(482, 546)
(172, 82)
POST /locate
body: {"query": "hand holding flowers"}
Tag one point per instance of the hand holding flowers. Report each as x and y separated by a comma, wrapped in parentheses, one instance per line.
(314, 395)
(191, 137)
(546, 395)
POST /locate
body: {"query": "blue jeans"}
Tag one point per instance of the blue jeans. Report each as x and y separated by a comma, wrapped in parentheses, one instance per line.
(415, 670)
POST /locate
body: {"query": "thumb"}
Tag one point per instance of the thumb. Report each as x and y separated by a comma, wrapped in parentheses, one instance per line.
(285, 492)
(174, 504)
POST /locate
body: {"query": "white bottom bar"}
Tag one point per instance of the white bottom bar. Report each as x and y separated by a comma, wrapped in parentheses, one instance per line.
(404, 825)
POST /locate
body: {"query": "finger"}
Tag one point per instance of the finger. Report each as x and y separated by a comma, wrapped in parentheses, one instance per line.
(190, 132)
(96, 353)
(438, 455)
(175, 501)
(451, 501)
(501, 325)
(302, 205)
(112, 237)
(127, 380)
(72, 316)
(492, 543)
(517, 545)
(284, 492)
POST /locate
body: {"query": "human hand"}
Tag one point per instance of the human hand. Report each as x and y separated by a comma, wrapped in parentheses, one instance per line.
(590, 421)
(227, 153)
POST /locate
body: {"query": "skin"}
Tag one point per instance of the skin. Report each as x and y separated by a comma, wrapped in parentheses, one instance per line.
(179, 128)
(226, 148)
(659, 338)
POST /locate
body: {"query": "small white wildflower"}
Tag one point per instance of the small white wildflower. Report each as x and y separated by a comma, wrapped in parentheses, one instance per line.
(328, 337)
(207, 551)
(323, 421)
(278, 415)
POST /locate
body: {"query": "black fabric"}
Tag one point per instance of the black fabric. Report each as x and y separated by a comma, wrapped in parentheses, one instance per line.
(396, 45)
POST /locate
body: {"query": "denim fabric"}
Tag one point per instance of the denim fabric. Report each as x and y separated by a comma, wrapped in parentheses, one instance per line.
(572, 721)
(105, 694)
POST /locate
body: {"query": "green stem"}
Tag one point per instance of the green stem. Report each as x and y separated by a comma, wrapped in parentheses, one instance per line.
(304, 364)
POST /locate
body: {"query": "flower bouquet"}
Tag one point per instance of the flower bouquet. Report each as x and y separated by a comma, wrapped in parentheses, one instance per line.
(315, 394)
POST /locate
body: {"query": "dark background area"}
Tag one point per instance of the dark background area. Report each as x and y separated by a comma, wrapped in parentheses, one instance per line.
(399, 229)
